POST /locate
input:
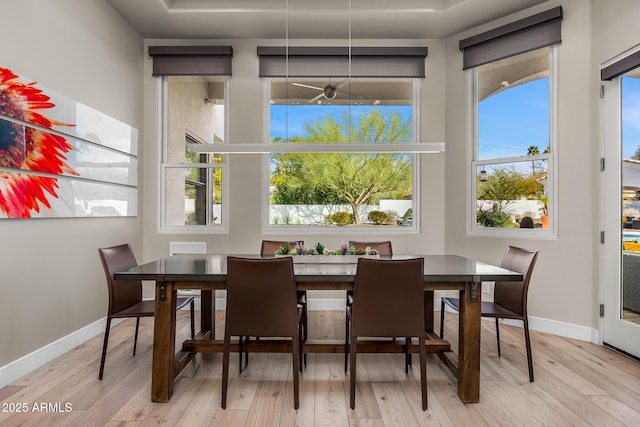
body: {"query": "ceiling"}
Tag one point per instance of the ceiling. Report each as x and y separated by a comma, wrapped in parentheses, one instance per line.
(311, 19)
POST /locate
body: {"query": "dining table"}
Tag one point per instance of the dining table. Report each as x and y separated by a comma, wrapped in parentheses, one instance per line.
(207, 273)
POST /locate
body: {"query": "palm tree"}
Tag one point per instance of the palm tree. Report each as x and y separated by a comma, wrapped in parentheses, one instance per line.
(533, 151)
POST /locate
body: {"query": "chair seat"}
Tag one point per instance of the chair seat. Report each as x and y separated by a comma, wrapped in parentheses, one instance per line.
(183, 302)
(488, 309)
(302, 297)
(141, 309)
(146, 308)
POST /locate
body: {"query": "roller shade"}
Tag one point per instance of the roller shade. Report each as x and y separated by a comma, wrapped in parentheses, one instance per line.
(623, 66)
(191, 60)
(317, 61)
(534, 32)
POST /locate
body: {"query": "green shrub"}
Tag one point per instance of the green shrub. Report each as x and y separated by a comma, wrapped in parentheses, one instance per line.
(494, 217)
(526, 222)
(340, 218)
(378, 217)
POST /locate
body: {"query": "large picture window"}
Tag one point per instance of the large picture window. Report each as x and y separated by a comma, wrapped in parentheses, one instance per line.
(514, 145)
(372, 189)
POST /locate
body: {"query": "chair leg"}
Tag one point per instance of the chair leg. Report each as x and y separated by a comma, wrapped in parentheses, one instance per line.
(240, 353)
(352, 375)
(192, 309)
(296, 344)
(305, 328)
(346, 342)
(441, 319)
(135, 338)
(246, 350)
(527, 341)
(423, 371)
(498, 334)
(300, 347)
(407, 355)
(225, 370)
(104, 348)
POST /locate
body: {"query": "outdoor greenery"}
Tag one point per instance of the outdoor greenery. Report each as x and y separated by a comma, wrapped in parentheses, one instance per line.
(378, 217)
(340, 218)
(345, 178)
(507, 184)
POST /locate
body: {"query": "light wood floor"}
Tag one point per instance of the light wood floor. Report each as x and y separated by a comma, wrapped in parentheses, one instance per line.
(577, 383)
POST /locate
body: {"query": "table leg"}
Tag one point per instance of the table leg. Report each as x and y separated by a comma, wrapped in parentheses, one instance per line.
(469, 346)
(207, 312)
(428, 311)
(164, 334)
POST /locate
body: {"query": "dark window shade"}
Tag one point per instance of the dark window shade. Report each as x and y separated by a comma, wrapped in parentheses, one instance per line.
(534, 32)
(620, 67)
(317, 61)
(191, 60)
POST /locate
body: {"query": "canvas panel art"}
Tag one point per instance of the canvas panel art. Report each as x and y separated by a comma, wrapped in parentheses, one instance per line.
(61, 158)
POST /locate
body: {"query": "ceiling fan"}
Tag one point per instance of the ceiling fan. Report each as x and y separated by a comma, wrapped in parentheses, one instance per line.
(328, 92)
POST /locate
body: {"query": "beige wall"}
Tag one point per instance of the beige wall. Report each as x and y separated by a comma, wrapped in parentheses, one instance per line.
(51, 280)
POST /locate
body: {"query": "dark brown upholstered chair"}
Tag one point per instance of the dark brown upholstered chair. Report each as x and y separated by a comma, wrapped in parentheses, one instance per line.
(269, 247)
(383, 248)
(125, 297)
(378, 311)
(510, 298)
(261, 302)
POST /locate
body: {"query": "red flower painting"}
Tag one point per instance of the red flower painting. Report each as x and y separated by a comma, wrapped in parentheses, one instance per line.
(29, 149)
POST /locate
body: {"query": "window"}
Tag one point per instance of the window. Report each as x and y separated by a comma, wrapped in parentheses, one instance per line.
(512, 165)
(372, 189)
(193, 183)
(514, 97)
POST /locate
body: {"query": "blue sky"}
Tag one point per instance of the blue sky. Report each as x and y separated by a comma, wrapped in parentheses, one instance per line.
(513, 120)
(630, 116)
(294, 116)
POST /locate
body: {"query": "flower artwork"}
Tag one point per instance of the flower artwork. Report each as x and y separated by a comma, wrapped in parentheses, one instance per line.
(28, 148)
(42, 154)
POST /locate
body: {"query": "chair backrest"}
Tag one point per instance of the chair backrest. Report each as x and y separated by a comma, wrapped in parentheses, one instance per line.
(513, 295)
(388, 298)
(383, 247)
(269, 247)
(122, 294)
(261, 297)
(187, 248)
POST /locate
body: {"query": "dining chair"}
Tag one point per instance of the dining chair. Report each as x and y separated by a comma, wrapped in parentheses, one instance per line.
(269, 247)
(125, 297)
(261, 302)
(384, 248)
(509, 298)
(378, 311)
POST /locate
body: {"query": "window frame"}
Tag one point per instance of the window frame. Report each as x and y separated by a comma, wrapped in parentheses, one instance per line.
(472, 225)
(293, 229)
(165, 165)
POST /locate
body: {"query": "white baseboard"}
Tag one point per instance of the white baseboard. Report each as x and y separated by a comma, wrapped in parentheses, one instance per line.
(43, 355)
(29, 362)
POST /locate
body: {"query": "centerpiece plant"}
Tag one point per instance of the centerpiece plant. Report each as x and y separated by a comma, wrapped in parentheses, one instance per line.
(320, 249)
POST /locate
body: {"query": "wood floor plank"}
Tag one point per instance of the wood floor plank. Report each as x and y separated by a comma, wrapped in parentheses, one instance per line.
(576, 383)
(331, 406)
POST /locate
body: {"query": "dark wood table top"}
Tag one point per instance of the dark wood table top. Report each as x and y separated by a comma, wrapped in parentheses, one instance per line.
(310, 268)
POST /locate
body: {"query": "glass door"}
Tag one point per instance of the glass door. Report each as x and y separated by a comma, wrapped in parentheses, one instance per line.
(621, 107)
